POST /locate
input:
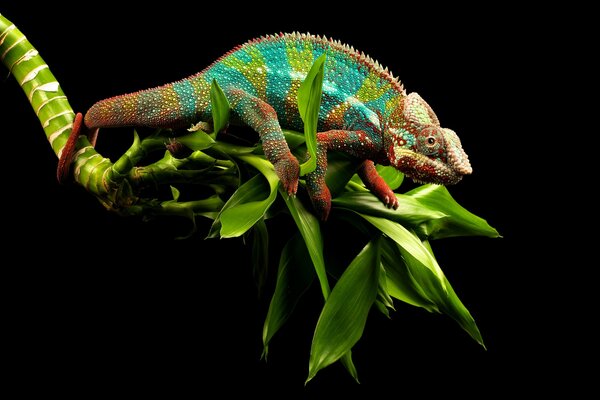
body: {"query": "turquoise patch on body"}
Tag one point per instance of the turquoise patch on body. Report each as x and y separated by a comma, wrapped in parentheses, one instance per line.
(228, 77)
(242, 55)
(187, 98)
(279, 76)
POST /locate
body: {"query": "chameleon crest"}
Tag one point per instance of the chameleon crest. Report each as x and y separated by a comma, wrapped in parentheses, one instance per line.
(364, 112)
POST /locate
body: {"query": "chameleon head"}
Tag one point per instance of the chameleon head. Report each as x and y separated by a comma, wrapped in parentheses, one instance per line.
(420, 148)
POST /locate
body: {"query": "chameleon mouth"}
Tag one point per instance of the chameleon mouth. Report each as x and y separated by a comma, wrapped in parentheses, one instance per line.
(423, 169)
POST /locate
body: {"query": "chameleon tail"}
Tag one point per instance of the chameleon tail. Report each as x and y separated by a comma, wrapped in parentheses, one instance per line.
(66, 156)
(169, 106)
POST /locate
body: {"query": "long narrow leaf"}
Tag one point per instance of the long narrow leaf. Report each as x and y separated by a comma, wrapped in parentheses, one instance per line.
(246, 206)
(345, 313)
(310, 230)
(421, 287)
(260, 254)
(219, 106)
(459, 222)
(409, 211)
(294, 276)
(408, 242)
(400, 283)
(309, 104)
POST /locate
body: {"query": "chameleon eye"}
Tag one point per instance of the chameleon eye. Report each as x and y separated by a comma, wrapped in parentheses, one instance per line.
(431, 140)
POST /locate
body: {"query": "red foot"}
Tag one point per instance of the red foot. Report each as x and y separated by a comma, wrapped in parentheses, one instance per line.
(64, 163)
(288, 170)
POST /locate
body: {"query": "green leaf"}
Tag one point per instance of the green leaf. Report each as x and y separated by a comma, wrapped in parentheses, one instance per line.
(309, 105)
(345, 313)
(408, 242)
(382, 289)
(382, 308)
(260, 254)
(294, 139)
(340, 168)
(399, 281)
(294, 276)
(175, 192)
(410, 211)
(220, 107)
(439, 290)
(310, 230)
(197, 140)
(390, 175)
(246, 206)
(459, 221)
(347, 362)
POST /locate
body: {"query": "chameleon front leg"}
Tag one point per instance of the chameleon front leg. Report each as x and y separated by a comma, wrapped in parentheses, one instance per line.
(355, 143)
(375, 183)
(261, 117)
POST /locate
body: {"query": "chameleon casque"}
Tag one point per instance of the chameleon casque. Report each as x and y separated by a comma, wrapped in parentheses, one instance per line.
(364, 112)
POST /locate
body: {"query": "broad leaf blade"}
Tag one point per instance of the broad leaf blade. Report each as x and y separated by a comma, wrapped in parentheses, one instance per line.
(237, 219)
(310, 230)
(309, 105)
(197, 140)
(391, 176)
(410, 211)
(252, 191)
(345, 313)
(459, 222)
(408, 242)
(399, 281)
(219, 106)
(441, 293)
(294, 276)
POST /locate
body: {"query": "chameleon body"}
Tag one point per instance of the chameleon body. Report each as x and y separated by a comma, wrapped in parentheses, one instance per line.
(364, 112)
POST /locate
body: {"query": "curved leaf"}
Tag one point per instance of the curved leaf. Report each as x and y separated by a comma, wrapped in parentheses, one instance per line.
(459, 222)
(310, 230)
(441, 293)
(408, 242)
(294, 276)
(409, 211)
(309, 104)
(391, 176)
(197, 140)
(245, 211)
(219, 106)
(399, 282)
(345, 313)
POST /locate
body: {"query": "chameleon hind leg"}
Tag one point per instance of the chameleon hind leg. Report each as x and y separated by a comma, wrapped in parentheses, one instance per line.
(66, 156)
(261, 117)
(355, 143)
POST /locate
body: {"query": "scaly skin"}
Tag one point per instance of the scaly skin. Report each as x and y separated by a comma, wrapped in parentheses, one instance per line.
(365, 112)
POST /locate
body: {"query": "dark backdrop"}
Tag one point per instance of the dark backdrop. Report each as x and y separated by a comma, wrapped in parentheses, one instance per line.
(100, 303)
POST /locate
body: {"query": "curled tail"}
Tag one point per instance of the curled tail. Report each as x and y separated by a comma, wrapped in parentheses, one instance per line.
(174, 105)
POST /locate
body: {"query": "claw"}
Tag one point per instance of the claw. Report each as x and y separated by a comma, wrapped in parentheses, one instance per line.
(288, 171)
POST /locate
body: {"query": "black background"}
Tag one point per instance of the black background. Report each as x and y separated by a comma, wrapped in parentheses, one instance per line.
(97, 303)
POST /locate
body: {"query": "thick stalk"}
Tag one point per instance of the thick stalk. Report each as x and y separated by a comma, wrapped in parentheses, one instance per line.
(50, 105)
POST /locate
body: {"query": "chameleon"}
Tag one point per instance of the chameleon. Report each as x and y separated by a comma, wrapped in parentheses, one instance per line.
(365, 112)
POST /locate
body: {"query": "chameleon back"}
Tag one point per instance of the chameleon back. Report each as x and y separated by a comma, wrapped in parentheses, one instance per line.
(356, 89)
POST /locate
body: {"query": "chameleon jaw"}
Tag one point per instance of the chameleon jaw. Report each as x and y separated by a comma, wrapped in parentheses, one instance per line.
(423, 169)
